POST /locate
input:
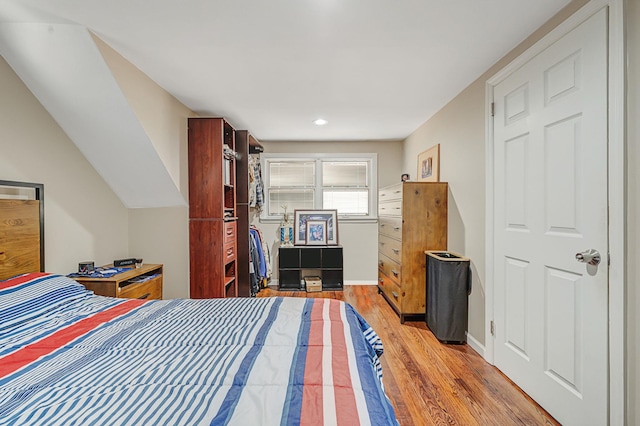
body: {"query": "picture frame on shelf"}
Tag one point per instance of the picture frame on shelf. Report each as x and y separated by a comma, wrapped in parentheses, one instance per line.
(429, 165)
(317, 232)
(301, 219)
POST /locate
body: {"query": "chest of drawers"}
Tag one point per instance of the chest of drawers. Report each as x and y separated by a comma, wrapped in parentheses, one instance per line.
(412, 218)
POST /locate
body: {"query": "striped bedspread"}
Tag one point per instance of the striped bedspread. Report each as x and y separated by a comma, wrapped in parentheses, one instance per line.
(68, 357)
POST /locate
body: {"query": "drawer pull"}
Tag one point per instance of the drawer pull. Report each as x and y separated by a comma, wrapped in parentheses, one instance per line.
(394, 272)
(381, 243)
(382, 225)
(396, 251)
(395, 294)
(144, 296)
(380, 280)
(229, 231)
(396, 228)
(381, 263)
(229, 252)
(397, 192)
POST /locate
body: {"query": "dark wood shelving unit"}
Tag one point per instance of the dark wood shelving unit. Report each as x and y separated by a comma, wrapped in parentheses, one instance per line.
(295, 263)
(212, 209)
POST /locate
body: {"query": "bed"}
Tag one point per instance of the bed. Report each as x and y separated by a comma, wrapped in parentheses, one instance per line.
(70, 357)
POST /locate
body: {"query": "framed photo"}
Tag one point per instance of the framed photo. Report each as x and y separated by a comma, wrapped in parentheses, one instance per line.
(317, 232)
(429, 165)
(300, 224)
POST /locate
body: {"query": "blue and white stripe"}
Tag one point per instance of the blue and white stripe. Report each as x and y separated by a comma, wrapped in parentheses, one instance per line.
(173, 362)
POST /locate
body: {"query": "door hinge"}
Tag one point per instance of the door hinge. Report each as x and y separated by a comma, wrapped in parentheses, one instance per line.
(493, 328)
(493, 109)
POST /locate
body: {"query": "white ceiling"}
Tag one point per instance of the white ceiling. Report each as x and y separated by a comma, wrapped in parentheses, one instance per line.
(375, 69)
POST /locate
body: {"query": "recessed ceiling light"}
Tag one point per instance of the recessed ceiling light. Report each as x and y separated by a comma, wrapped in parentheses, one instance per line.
(320, 122)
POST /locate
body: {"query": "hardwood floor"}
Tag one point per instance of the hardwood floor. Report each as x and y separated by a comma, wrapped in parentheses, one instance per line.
(430, 383)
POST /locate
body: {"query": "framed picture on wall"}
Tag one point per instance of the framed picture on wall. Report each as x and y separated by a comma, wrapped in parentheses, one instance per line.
(302, 219)
(429, 165)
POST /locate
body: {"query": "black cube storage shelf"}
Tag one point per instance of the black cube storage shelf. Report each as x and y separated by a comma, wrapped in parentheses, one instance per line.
(295, 263)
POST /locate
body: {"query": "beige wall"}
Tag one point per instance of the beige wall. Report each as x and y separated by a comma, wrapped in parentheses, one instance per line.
(162, 236)
(359, 240)
(162, 116)
(84, 219)
(633, 212)
(459, 128)
(158, 235)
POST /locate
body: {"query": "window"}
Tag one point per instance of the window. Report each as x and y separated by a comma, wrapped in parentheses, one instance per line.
(345, 182)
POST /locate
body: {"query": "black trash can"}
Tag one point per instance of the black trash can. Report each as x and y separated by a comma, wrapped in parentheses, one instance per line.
(448, 281)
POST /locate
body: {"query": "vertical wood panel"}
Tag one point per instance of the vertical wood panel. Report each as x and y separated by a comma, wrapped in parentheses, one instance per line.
(19, 237)
(205, 168)
(206, 258)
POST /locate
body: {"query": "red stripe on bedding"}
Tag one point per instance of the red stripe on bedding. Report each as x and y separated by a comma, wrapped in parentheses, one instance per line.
(16, 360)
(312, 409)
(346, 410)
(21, 279)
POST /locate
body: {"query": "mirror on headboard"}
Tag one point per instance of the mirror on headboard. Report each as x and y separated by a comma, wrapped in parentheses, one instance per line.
(21, 228)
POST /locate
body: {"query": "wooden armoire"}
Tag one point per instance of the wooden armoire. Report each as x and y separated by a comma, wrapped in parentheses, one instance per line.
(212, 209)
(412, 218)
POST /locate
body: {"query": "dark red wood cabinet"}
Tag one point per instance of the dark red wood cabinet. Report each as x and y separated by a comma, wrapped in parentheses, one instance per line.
(213, 261)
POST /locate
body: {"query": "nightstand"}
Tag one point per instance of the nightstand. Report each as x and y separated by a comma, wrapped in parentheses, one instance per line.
(137, 283)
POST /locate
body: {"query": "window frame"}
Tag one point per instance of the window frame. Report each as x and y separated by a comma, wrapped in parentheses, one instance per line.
(319, 158)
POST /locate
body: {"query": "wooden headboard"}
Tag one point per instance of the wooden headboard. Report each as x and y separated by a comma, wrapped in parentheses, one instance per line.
(21, 228)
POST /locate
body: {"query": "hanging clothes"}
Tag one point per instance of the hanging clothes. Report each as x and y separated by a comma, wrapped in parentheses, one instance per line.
(254, 281)
(256, 184)
(261, 267)
(266, 254)
(252, 181)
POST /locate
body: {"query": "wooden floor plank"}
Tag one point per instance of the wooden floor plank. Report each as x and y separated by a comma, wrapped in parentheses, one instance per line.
(430, 383)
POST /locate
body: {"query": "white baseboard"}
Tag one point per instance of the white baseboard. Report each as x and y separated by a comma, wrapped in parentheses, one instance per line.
(274, 282)
(475, 345)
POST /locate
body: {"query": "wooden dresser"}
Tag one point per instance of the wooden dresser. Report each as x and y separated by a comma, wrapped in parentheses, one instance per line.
(137, 283)
(412, 218)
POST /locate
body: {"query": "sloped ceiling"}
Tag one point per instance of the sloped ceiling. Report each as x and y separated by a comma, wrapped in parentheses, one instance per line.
(64, 69)
(375, 69)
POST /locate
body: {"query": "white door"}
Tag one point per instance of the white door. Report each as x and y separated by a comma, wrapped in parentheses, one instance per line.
(550, 192)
